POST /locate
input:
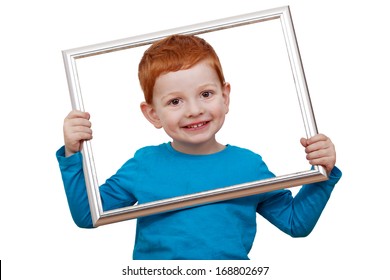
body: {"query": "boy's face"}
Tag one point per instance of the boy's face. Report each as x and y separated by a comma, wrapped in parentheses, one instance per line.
(191, 106)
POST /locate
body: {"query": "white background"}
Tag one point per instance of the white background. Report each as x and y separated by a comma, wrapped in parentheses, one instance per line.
(344, 47)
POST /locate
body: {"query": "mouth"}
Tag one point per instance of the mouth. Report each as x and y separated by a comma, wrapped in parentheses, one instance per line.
(196, 125)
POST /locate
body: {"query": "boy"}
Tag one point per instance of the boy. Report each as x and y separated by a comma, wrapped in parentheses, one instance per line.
(187, 96)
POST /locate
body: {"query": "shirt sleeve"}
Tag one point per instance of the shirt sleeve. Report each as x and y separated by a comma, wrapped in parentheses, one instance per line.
(298, 215)
(118, 191)
(76, 193)
(115, 193)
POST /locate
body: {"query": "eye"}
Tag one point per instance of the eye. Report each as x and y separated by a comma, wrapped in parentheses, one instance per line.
(174, 102)
(206, 94)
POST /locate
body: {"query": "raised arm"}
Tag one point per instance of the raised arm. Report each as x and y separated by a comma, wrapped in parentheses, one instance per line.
(298, 215)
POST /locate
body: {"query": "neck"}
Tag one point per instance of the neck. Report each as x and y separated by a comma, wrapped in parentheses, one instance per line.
(198, 149)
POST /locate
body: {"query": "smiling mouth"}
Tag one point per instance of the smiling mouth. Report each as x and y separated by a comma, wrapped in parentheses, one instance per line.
(196, 125)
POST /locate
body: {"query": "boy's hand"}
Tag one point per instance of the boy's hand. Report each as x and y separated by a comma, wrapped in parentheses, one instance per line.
(320, 151)
(77, 128)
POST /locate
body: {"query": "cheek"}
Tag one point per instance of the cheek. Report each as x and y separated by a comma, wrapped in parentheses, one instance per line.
(220, 109)
(225, 106)
(169, 118)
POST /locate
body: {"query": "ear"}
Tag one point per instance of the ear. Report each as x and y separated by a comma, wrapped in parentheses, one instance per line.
(150, 114)
(226, 95)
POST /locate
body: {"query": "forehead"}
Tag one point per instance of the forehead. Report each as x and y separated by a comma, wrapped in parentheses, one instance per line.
(196, 76)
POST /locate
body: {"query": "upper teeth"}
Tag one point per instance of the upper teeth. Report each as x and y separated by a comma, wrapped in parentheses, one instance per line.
(196, 125)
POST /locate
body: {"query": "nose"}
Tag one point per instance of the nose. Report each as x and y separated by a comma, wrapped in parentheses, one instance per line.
(194, 108)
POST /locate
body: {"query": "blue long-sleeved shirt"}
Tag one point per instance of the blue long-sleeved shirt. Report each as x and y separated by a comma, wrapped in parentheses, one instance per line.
(223, 230)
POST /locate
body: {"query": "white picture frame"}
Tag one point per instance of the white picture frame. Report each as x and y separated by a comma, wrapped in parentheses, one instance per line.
(282, 15)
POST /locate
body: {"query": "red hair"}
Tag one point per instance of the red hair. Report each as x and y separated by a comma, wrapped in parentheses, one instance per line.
(174, 53)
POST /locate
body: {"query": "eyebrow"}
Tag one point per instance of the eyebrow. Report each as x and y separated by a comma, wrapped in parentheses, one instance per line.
(208, 85)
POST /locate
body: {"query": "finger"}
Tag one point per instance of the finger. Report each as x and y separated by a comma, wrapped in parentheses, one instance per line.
(80, 129)
(303, 142)
(73, 140)
(322, 153)
(325, 162)
(78, 122)
(78, 114)
(82, 136)
(317, 138)
(71, 123)
(322, 145)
